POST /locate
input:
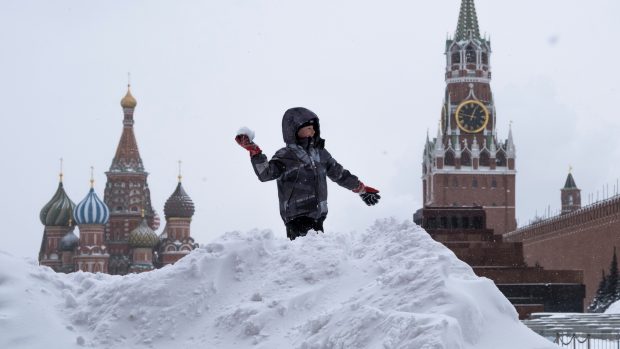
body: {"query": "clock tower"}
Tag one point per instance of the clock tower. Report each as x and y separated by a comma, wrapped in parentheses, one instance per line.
(466, 165)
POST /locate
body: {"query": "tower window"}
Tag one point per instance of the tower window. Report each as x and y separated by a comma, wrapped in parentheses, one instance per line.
(470, 54)
(485, 158)
(465, 158)
(485, 58)
(449, 161)
(456, 58)
(570, 199)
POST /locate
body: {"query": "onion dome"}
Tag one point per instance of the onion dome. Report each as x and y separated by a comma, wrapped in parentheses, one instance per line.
(91, 210)
(57, 212)
(179, 204)
(128, 101)
(143, 236)
(69, 242)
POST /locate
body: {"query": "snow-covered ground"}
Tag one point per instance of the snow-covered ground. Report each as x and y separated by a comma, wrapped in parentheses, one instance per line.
(389, 287)
(614, 308)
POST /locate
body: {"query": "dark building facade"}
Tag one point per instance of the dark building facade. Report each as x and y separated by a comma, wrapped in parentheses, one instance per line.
(530, 288)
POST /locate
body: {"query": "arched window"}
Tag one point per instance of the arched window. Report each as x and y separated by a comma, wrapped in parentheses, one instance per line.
(470, 54)
(570, 199)
(500, 158)
(465, 158)
(449, 161)
(485, 158)
(456, 57)
(484, 58)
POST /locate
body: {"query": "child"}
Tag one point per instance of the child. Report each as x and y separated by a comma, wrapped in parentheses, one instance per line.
(300, 169)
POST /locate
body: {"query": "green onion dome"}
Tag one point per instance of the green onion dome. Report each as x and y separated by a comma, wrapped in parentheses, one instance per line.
(69, 242)
(143, 236)
(179, 204)
(58, 211)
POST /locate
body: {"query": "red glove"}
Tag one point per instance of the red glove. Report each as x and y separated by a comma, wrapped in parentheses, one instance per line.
(244, 141)
(370, 195)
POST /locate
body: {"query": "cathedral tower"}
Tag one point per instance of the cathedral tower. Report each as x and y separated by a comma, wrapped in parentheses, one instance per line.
(56, 217)
(570, 195)
(126, 193)
(91, 216)
(176, 241)
(466, 165)
(142, 240)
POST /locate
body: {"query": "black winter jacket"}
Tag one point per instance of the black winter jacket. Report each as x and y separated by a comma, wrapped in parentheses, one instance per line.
(301, 169)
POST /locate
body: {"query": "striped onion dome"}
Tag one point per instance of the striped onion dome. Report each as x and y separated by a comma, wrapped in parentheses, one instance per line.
(91, 210)
(57, 212)
(179, 204)
(69, 242)
(143, 236)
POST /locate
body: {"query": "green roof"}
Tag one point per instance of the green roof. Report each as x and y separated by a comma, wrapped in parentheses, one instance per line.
(570, 182)
(468, 22)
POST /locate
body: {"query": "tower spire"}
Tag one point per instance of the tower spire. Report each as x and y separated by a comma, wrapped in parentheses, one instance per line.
(127, 158)
(467, 26)
(180, 176)
(92, 177)
(60, 175)
(510, 149)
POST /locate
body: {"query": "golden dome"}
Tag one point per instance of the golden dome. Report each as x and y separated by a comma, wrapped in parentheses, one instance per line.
(128, 101)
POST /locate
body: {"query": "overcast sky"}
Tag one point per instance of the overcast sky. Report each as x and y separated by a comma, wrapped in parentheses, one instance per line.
(372, 70)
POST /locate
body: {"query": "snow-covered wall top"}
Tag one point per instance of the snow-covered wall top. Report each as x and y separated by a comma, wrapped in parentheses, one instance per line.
(390, 287)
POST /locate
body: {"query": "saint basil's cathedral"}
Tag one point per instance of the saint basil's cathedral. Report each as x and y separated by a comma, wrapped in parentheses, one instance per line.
(116, 234)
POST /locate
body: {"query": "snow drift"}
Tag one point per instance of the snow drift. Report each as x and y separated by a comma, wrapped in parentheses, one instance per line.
(390, 287)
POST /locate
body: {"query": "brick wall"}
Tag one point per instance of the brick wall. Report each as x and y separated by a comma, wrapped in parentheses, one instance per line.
(583, 239)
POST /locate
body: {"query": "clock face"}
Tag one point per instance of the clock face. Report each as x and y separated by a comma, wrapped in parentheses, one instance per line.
(472, 116)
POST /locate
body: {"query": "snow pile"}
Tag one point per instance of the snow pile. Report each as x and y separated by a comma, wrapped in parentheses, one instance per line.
(614, 308)
(391, 287)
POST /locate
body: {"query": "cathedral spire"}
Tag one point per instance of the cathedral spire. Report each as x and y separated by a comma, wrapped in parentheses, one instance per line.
(60, 175)
(127, 158)
(467, 26)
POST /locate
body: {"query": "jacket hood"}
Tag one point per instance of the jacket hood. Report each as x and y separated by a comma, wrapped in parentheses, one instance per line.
(293, 119)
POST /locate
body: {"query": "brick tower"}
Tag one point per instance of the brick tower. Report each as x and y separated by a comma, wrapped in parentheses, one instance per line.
(570, 195)
(126, 193)
(466, 165)
(176, 241)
